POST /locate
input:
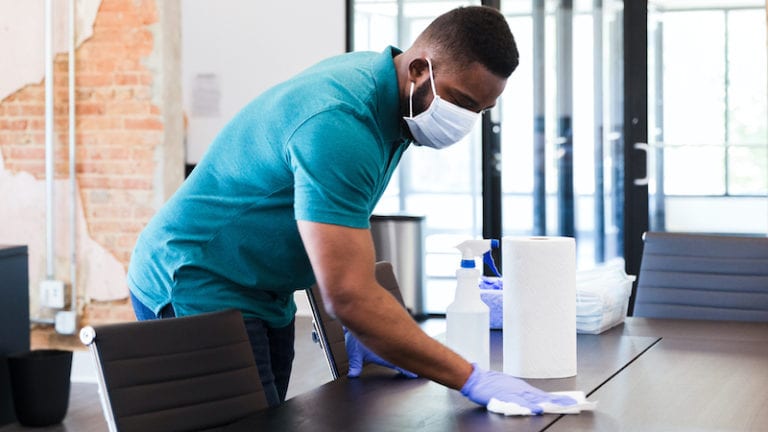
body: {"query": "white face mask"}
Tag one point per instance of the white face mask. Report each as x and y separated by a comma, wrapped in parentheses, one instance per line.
(443, 123)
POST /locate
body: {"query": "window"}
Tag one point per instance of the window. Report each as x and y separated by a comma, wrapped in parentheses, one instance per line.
(708, 112)
(708, 162)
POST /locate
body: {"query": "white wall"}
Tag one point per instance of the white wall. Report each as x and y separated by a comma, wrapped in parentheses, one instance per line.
(232, 50)
(22, 38)
(243, 47)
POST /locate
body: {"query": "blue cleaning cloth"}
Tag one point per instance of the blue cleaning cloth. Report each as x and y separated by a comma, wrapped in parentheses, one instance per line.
(491, 283)
(492, 295)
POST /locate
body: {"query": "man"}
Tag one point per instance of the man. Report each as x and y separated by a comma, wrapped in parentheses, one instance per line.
(283, 197)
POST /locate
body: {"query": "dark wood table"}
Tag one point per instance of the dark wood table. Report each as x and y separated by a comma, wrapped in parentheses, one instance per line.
(701, 376)
(647, 374)
(381, 401)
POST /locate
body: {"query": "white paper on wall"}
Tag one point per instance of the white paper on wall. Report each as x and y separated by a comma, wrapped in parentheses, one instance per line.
(206, 95)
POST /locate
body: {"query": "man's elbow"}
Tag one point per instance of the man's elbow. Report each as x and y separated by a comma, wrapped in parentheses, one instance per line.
(342, 304)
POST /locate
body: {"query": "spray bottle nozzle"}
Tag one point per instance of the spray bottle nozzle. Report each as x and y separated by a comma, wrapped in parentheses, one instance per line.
(474, 248)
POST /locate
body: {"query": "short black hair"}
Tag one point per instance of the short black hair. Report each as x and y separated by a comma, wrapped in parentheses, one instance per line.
(474, 34)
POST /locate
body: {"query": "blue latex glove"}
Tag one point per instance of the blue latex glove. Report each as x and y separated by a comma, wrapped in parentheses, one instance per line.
(483, 385)
(359, 355)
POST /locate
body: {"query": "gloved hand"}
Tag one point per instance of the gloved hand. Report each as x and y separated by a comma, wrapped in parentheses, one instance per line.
(483, 385)
(359, 355)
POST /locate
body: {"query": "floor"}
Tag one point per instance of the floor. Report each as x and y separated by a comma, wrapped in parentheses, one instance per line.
(84, 415)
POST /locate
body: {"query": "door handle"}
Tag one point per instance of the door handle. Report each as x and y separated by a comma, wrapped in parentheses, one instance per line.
(644, 180)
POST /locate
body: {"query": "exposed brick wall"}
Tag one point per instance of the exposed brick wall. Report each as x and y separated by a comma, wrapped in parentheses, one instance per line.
(118, 125)
(118, 128)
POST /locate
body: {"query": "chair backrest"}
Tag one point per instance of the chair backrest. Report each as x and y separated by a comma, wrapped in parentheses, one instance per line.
(177, 374)
(697, 276)
(329, 331)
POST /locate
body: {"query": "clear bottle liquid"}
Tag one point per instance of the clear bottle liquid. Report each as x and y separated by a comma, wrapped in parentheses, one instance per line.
(468, 320)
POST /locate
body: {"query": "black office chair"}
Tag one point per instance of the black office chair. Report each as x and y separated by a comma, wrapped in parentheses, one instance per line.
(695, 276)
(328, 331)
(193, 373)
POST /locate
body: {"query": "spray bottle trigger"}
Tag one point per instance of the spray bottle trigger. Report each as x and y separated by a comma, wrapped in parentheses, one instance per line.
(488, 260)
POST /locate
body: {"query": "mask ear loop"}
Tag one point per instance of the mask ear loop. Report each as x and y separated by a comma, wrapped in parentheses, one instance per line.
(431, 78)
(413, 84)
(410, 100)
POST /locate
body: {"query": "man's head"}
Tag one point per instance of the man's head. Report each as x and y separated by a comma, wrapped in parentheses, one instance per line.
(467, 54)
(474, 34)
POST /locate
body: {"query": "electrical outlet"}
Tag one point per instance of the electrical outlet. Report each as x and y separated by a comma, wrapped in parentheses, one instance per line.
(66, 322)
(52, 294)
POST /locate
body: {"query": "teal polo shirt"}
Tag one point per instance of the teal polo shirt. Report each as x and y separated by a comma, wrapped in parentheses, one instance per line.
(319, 147)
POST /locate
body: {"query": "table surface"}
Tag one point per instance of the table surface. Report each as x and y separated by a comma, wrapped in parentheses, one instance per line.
(382, 401)
(701, 376)
(647, 374)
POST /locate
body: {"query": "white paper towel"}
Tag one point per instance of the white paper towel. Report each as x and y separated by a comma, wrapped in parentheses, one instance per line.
(513, 409)
(539, 306)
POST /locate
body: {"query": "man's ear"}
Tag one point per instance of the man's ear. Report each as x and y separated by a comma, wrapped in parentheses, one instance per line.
(417, 69)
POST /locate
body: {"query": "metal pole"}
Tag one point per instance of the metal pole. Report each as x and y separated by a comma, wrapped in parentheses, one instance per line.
(496, 4)
(49, 151)
(599, 206)
(564, 67)
(658, 218)
(403, 176)
(635, 124)
(727, 110)
(349, 10)
(492, 201)
(615, 103)
(492, 194)
(539, 121)
(72, 178)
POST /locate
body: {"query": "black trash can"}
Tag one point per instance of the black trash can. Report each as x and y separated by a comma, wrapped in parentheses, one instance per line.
(40, 386)
(14, 319)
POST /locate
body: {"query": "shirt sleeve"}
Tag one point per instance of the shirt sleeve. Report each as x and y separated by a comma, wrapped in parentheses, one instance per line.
(337, 163)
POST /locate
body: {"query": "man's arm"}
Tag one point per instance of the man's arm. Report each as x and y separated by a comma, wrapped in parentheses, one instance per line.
(343, 260)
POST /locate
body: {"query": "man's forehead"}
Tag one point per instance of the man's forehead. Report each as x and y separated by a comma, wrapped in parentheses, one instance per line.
(475, 84)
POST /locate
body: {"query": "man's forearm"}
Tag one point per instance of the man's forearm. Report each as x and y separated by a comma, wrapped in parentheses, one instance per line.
(385, 327)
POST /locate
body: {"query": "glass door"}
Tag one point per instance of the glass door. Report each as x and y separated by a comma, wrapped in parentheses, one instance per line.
(708, 111)
(560, 121)
(562, 146)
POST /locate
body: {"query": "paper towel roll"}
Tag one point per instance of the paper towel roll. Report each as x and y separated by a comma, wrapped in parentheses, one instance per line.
(539, 306)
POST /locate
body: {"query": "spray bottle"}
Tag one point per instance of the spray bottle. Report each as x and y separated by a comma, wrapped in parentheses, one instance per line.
(468, 322)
